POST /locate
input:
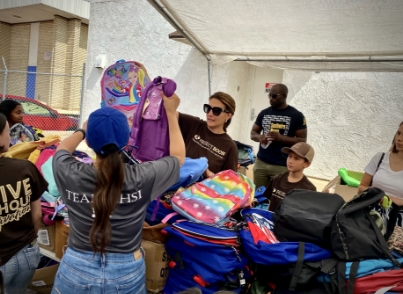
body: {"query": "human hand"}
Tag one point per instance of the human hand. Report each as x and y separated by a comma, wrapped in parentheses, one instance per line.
(208, 173)
(274, 136)
(140, 65)
(264, 139)
(171, 103)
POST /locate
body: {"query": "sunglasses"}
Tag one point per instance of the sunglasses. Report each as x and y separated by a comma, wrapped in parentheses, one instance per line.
(216, 110)
(274, 96)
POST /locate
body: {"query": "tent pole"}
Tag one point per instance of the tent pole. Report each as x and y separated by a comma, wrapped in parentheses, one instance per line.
(209, 75)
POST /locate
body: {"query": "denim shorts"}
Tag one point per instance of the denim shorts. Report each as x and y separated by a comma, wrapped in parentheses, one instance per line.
(82, 272)
(19, 270)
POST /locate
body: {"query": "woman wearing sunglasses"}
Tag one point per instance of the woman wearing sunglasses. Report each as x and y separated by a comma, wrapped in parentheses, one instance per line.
(209, 138)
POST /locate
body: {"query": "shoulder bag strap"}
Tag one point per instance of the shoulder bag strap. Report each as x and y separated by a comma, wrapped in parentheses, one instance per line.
(379, 163)
(352, 277)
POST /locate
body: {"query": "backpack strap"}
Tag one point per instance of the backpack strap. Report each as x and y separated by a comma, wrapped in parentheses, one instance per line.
(385, 289)
(138, 115)
(382, 242)
(352, 277)
(377, 167)
(298, 266)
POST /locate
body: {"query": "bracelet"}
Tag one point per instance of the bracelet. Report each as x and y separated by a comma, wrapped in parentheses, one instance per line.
(82, 131)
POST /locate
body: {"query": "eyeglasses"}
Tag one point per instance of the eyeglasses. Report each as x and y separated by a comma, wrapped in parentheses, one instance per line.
(274, 96)
(216, 110)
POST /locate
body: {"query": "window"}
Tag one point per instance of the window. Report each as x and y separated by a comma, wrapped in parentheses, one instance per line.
(34, 109)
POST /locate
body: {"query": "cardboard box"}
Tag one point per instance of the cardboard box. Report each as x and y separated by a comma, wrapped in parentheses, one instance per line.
(61, 236)
(338, 186)
(46, 237)
(156, 259)
(42, 281)
(247, 171)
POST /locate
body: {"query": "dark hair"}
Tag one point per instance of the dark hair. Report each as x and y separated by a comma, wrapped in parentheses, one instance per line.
(108, 190)
(7, 106)
(283, 88)
(229, 103)
(394, 149)
(3, 122)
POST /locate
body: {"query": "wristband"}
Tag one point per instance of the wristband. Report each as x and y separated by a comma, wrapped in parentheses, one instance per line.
(82, 131)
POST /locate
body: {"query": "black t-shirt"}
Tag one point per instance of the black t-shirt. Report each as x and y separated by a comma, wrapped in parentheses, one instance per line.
(279, 186)
(219, 149)
(287, 121)
(20, 184)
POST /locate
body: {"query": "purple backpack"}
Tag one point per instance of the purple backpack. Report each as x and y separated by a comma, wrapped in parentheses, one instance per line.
(150, 134)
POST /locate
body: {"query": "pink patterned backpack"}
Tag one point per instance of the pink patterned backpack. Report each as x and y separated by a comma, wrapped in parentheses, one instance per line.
(215, 199)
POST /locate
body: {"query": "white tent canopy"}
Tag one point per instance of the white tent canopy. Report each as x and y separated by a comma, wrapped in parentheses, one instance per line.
(313, 34)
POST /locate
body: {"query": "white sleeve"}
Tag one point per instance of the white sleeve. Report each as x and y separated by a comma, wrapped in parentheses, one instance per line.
(373, 164)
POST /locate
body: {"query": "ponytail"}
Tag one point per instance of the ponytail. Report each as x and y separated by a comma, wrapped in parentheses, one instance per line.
(108, 190)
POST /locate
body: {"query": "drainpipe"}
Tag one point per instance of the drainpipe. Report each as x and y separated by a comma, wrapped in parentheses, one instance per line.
(168, 16)
(5, 79)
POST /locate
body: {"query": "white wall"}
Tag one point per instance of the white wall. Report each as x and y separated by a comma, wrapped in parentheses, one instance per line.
(259, 98)
(239, 87)
(350, 116)
(141, 34)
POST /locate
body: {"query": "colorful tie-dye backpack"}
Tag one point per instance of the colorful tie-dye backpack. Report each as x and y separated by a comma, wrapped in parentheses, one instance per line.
(215, 199)
(122, 85)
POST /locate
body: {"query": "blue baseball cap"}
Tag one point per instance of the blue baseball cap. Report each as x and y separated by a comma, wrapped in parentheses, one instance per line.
(107, 126)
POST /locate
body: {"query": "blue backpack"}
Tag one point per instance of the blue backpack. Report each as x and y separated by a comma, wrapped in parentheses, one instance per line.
(258, 233)
(208, 255)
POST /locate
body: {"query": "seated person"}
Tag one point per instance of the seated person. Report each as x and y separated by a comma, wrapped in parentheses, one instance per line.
(14, 113)
(300, 156)
(209, 138)
(386, 173)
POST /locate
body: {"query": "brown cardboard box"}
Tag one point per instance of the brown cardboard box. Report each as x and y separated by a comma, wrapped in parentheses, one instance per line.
(153, 233)
(341, 188)
(247, 171)
(156, 259)
(61, 236)
(42, 281)
(46, 237)
(242, 170)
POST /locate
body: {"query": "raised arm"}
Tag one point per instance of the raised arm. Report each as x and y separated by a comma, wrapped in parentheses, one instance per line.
(176, 143)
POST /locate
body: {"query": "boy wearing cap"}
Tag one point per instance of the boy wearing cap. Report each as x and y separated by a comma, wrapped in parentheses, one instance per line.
(300, 156)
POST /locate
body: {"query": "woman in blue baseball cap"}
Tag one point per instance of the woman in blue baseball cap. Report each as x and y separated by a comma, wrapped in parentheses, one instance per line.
(107, 203)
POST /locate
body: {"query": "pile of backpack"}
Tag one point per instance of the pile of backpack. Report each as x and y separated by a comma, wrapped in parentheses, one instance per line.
(246, 156)
(313, 243)
(316, 243)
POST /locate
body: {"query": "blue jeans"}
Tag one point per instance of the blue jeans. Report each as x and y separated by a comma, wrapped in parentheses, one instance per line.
(82, 272)
(19, 270)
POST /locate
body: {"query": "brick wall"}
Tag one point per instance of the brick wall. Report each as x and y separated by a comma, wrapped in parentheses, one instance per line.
(59, 53)
(19, 51)
(72, 85)
(43, 82)
(66, 39)
(5, 38)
